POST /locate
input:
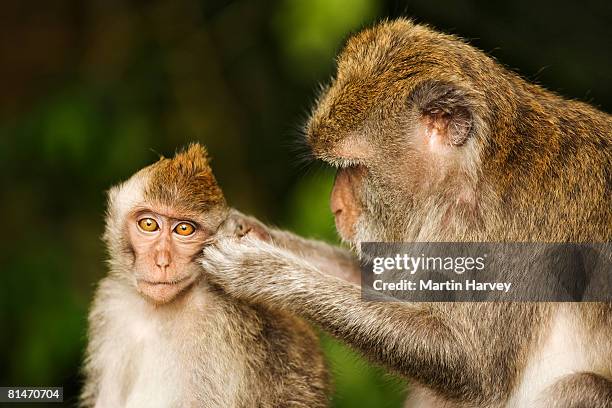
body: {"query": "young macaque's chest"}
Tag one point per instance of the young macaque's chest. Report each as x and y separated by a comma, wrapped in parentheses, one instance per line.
(177, 355)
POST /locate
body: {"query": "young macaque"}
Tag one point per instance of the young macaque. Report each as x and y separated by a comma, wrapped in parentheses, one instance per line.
(162, 336)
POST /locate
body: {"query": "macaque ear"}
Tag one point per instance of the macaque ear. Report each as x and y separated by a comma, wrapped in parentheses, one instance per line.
(445, 114)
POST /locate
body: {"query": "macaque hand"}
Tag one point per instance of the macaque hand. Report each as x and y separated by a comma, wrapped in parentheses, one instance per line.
(240, 225)
(249, 268)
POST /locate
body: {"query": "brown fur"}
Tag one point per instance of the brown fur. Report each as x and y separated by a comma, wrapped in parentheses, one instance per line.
(185, 182)
(581, 390)
(455, 148)
(203, 348)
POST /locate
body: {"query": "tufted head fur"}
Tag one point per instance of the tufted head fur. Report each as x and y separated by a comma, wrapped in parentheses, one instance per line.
(185, 181)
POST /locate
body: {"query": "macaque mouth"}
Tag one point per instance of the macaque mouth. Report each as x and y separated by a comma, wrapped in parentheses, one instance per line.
(168, 283)
(161, 292)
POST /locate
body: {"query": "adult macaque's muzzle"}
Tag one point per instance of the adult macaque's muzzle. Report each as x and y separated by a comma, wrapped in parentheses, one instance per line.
(344, 201)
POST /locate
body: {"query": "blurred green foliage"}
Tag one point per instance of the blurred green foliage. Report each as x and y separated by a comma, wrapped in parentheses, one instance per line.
(94, 90)
(310, 31)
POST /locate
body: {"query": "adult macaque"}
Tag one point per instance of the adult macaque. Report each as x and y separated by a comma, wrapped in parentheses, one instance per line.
(435, 141)
(160, 335)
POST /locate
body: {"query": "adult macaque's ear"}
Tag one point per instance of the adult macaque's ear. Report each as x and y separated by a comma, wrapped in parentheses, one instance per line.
(445, 114)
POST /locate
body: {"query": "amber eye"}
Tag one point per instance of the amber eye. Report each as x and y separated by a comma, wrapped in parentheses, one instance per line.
(148, 224)
(184, 229)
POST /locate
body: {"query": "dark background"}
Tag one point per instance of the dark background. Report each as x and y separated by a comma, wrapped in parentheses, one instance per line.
(94, 90)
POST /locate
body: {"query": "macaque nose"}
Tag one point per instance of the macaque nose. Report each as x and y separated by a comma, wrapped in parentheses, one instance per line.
(344, 202)
(162, 259)
(339, 192)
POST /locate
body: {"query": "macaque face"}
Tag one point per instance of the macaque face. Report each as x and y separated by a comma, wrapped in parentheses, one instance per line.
(165, 247)
(159, 220)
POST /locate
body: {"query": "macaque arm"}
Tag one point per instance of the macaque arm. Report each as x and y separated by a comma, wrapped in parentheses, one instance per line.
(414, 340)
(326, 258)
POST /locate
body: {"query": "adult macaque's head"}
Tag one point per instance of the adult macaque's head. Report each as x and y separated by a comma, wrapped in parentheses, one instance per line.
(158, 221)
(406, 120)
